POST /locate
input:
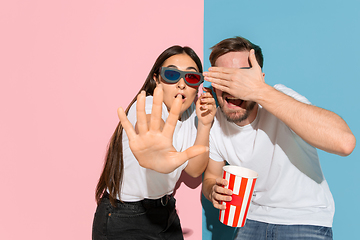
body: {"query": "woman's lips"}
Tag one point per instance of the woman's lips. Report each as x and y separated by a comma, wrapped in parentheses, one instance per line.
(182, 96)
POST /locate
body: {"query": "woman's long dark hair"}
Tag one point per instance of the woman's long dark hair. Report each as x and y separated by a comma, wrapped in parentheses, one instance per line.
(111, 176)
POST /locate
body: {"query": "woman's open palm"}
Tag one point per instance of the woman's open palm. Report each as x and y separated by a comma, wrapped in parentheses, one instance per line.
(152, 146)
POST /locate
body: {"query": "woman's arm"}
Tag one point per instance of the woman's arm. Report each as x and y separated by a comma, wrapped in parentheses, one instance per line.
(205, 111)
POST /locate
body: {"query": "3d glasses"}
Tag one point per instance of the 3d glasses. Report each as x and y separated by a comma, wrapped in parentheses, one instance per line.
(173, 75)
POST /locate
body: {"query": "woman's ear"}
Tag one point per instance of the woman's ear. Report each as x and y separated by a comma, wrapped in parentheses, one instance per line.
(155, 77)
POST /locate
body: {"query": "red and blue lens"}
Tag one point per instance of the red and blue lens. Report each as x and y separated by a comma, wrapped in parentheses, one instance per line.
(173, 75)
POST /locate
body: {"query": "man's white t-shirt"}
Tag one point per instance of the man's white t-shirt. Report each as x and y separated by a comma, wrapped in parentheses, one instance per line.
(138, 182)
(291, 188)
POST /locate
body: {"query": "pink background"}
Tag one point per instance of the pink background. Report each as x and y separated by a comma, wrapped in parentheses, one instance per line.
(65, 67)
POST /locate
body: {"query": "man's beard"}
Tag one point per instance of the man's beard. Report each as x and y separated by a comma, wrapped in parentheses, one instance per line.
(239, 118)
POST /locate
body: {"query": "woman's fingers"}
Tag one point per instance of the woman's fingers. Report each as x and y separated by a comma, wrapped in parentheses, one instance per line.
(141, 123)
(155, 120)
(206, 99)
(192, 152)
(173, 117)
(128, 127)
(176, 159)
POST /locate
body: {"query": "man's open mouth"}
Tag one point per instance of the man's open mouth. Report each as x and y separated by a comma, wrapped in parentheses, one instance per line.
(234, 101)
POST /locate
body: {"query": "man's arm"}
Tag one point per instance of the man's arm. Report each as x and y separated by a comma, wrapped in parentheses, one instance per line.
(321, 128)
(212, 186)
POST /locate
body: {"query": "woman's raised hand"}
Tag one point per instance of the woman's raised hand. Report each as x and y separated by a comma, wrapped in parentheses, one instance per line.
(206, 107)
(151, 145)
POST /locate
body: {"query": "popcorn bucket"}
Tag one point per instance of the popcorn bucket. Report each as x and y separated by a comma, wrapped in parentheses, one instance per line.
(241, 182)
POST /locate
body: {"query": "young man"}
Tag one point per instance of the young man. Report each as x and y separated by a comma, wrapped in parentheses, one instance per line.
(275, 132)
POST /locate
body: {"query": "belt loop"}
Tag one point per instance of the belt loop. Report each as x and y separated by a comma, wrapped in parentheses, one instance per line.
(167, 200)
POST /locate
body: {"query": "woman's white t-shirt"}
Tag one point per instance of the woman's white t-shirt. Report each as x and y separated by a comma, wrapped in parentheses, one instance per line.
(138, 182)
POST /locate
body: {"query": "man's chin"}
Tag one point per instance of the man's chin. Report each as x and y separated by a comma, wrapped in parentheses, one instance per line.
(234, 116)
(236, 120)
(237, 116)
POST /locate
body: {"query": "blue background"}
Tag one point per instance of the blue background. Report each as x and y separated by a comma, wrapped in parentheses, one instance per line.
(313, 48)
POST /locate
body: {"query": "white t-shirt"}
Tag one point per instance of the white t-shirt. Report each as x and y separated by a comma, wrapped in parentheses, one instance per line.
(138, 182)
(291, 188)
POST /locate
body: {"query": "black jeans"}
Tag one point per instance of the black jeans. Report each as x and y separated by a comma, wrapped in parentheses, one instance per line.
(147, 219)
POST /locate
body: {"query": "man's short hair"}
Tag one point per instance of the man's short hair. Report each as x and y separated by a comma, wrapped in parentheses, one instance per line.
(236, 44)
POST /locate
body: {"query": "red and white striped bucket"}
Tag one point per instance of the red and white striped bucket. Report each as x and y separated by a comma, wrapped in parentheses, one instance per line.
(241, 182)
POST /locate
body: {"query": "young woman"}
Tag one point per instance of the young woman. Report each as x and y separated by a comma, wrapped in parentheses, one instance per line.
(143, 165)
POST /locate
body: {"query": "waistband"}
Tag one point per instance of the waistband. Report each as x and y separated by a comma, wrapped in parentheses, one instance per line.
(147, 203)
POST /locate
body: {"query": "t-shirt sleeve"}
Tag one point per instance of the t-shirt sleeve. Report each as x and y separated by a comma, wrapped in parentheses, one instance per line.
(214, 152)
(214, 155)
(291, 93)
